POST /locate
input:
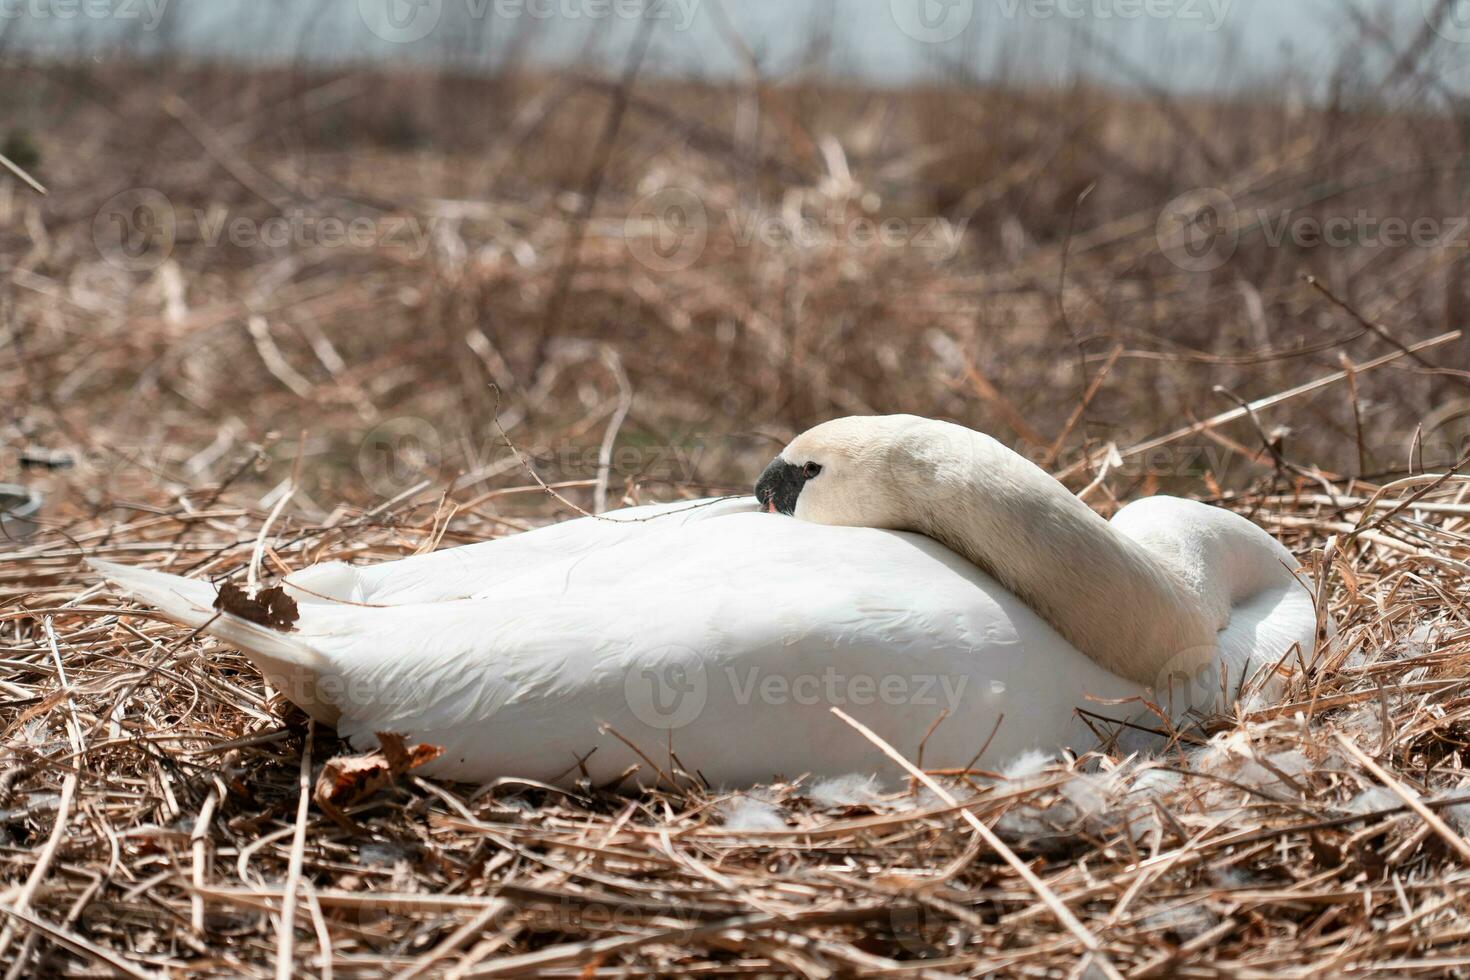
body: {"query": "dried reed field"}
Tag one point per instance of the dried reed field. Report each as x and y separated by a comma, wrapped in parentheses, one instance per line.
(274, 317)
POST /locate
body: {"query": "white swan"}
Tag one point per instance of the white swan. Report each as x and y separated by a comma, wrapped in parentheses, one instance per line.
(714, 636)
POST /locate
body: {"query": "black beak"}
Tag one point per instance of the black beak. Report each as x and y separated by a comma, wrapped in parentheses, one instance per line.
(779, 486)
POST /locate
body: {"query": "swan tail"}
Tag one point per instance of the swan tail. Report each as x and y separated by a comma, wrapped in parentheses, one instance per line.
(288, 661)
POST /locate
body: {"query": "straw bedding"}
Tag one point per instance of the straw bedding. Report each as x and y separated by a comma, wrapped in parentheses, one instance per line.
(161, 810)
(154, 814)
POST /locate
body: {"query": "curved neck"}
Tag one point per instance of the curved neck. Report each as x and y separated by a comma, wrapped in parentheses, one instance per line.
(1136, 613)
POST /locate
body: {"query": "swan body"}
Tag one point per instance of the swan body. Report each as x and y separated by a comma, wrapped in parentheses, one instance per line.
(714, 637)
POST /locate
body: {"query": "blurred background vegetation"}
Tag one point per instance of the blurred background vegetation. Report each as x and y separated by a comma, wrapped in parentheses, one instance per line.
(333, 239)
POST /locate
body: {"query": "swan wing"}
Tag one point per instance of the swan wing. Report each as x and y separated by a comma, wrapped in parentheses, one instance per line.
(721, 644)
(455, 573)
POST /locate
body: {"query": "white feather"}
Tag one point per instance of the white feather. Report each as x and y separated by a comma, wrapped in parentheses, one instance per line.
(849, 790)
(1374, 798)
(749, 813)
(1027, 764)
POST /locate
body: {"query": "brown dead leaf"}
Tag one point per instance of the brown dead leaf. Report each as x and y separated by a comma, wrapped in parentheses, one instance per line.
(403, 757)
(270, 607)
(349, 778)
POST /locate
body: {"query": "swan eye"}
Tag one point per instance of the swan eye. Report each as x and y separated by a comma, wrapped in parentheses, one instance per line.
(810, 470)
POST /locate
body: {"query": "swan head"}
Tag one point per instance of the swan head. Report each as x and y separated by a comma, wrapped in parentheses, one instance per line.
(861, 471)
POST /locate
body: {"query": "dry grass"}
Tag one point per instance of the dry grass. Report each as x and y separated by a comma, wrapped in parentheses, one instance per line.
(154, 813)
(153, 800)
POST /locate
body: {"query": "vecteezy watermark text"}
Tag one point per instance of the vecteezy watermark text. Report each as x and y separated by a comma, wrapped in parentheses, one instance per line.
(1201, 230)
(138, 229)
(401, 452)
(667, 230)
(671, 690)
(149, 12)
(302, 229)
(1363, 229)
(858, 231)
(938, 21)
(407, 21)
(1209, 14)
(834, 688)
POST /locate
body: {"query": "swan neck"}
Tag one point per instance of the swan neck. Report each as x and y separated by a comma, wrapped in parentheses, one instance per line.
(1105, 593)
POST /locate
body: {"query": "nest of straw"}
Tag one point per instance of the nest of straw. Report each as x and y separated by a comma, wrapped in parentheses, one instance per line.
(158, 815)
(158, 800)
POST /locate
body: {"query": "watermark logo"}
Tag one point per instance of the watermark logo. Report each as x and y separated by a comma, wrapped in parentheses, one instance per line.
(668, 229)
(667, 691)
(401, 21)
(1197, 230)
(1189, 681)
(136, 230)
(1450, 20)
(399, 454)
(932, 21)
(919, 929)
